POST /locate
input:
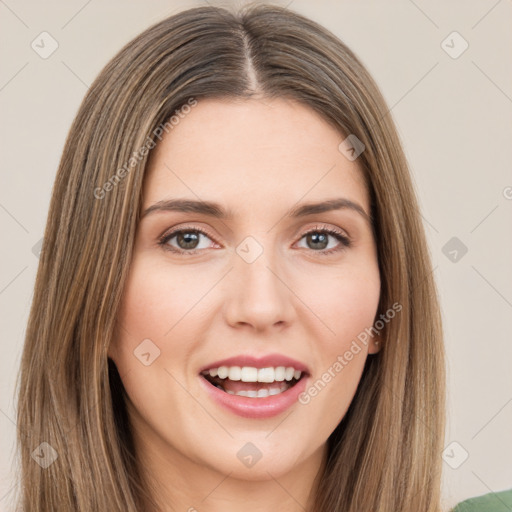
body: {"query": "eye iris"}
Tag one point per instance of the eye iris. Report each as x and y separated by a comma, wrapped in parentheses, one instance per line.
(189, 238)
(321, 238)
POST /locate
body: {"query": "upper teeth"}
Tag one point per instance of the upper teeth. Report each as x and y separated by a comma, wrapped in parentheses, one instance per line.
(251, 374)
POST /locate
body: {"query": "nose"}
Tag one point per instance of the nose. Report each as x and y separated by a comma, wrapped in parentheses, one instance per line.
(257, 295)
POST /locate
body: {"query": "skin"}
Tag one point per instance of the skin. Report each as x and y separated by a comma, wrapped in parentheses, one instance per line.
(258, 159)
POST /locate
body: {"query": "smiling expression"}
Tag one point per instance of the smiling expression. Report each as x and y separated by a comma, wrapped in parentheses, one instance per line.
(235, 270)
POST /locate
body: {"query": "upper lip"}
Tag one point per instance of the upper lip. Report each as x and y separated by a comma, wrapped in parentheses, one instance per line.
(266, 361)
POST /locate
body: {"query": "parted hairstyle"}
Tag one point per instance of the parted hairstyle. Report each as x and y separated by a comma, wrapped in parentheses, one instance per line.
(384, 456)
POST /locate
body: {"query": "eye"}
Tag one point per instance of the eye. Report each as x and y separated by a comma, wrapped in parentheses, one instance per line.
(185, 240)
(317, 239)
(192, 240)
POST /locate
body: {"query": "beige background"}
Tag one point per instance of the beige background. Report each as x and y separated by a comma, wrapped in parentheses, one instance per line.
(454, 117)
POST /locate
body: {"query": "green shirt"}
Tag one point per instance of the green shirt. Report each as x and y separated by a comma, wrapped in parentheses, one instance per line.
(493, 502)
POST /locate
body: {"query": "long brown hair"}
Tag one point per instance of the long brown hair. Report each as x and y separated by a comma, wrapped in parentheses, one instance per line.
(384, 456)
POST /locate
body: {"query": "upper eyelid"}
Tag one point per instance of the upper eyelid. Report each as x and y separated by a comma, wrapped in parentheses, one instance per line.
(325, 227)
(317, 226)
(174, 231)
(169, 234)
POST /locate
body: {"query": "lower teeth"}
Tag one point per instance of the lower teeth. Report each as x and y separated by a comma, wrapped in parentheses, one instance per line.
(260, 393)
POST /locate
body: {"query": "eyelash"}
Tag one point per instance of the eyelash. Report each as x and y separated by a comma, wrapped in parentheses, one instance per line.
(339, 235)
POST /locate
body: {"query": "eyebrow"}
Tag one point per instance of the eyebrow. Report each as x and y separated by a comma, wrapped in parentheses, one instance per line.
(213, 209)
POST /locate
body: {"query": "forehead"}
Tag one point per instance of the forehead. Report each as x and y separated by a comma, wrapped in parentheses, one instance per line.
(252, 153)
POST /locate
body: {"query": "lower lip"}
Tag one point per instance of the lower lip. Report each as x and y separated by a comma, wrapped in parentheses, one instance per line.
(265, 407)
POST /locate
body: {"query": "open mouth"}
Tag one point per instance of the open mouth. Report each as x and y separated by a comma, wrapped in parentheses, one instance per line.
(253, 382)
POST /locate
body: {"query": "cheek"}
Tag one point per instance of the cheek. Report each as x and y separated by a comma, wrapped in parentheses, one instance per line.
(162, 314)
(154, 307)
(331, 390)
(157, 298)
(358, 301)
(347, 305)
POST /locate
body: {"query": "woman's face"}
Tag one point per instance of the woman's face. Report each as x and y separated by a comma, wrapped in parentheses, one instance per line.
(259, 281)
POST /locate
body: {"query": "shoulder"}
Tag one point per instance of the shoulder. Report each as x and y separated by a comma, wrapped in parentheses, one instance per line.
(492, 502)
